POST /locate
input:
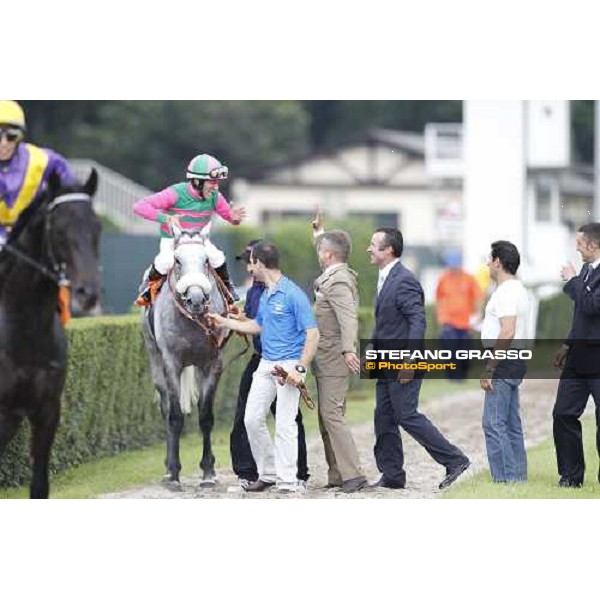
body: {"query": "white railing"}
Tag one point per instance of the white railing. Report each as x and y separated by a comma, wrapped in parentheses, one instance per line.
(116, 196)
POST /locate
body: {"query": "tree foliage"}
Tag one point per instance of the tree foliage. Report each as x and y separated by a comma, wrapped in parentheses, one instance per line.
(337, 119)
(151, 141)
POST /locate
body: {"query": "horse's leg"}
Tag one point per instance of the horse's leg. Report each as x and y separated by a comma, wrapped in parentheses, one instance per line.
(174, 424)
(206, 421)
(160, 386)
(43, 428)
(159, 378)
(8, 428)
(156, 368)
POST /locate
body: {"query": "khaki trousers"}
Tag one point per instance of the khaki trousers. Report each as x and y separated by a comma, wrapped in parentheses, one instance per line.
(340, 450)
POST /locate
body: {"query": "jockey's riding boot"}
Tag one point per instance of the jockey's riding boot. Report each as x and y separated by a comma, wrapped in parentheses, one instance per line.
(223, 273)
(145, 297)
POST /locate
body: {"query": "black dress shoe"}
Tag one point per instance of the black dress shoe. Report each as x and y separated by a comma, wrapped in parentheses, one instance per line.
(354, 485)
(384, 483)
(453, 474)
(331, 486)
(259, 486)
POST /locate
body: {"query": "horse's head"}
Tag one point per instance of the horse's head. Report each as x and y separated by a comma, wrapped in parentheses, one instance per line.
(192, 283)
(72, 236)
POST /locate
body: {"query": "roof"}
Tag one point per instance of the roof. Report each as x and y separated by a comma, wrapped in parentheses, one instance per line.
(578, 180)
(408, 142)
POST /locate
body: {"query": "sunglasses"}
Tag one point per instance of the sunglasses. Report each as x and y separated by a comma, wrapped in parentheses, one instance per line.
(11, 135)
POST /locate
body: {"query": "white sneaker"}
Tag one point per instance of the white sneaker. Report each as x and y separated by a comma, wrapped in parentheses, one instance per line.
(243, 483)
(241, 486)
(299, 487)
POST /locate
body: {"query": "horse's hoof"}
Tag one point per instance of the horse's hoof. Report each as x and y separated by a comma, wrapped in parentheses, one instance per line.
(208, 483)
(170, 482)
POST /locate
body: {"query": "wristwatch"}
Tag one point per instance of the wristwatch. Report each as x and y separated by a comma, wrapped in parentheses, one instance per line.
(301, 369)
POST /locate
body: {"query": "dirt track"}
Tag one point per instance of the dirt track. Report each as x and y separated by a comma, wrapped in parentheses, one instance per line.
(457, 415)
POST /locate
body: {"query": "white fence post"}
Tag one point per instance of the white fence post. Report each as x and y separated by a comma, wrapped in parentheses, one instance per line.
(116, 196)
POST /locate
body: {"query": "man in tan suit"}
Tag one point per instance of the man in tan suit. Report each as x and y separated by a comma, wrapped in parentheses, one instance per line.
(336, 304)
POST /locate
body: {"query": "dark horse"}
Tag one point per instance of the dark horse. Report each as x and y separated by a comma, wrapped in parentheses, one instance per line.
(185, 353)
(54, 242)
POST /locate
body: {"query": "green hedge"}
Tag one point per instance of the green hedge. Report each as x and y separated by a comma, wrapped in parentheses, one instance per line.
(554, 317)
(107, 404)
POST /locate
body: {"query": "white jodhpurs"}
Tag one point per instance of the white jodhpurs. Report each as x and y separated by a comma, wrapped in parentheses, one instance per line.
(279, 462)
(165, 258)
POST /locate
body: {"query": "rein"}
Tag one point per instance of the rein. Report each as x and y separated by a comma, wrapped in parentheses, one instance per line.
(57, 277)
(202, 322)
(199, 321)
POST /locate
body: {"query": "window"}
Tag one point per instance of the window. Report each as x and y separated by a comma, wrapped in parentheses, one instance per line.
(543, 204)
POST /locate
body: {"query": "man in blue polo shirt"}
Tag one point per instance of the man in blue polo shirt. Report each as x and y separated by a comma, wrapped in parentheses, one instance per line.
(242, 461)
(289, 337)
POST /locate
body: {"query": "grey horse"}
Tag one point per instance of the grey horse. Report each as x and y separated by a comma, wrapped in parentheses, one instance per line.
(185, 353)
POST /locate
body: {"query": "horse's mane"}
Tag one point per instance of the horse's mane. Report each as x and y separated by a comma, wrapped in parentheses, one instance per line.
(26, 216)
(22, 222)
(41, 198)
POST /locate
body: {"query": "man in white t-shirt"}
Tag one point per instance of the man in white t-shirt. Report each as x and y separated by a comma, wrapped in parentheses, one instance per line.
(504, 326)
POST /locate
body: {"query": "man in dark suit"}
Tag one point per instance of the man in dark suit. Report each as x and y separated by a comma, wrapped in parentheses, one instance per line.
(400, 316)
(579, 357)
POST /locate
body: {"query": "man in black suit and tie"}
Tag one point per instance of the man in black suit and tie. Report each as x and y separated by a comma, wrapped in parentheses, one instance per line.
(400, 316)
(579, 357)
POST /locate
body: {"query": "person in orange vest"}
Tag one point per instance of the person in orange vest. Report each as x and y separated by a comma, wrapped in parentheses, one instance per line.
(458, 304)
(24, 168)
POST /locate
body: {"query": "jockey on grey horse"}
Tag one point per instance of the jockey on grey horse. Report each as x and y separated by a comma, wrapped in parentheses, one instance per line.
(189, 205)
(178, 336)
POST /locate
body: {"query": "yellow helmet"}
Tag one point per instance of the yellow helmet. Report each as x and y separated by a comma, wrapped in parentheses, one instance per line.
(12, 114)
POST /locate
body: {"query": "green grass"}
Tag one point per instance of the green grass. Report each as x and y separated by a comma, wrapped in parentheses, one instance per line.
(140, 467)
(543, 476)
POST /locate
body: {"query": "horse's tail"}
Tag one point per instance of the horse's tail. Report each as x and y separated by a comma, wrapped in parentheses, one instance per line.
(189, 391)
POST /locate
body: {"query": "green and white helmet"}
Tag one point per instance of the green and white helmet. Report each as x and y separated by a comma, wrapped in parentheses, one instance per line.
(205, 166)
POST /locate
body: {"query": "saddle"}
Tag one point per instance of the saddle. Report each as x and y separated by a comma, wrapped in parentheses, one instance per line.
(148, 294)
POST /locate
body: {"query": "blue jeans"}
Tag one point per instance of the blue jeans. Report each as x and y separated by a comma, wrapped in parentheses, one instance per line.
(504, 440)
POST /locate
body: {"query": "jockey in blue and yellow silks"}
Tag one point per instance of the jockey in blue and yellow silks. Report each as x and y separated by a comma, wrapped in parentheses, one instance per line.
(24, 168)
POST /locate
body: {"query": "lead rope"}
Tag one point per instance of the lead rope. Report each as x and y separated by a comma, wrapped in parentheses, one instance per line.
(281, 374)
(217, 343)
(225, 294)
(199, 322)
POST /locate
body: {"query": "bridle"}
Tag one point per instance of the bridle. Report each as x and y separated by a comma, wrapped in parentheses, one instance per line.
(201, 321)
(218, 342)
(57, 273)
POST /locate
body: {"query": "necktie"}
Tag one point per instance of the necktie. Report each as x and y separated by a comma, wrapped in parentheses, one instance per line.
(380, 282)
(590, 270)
